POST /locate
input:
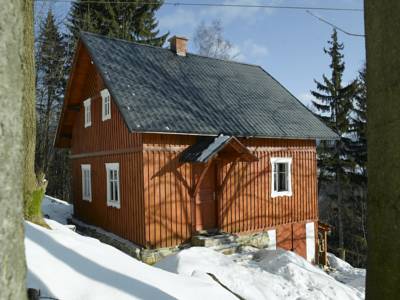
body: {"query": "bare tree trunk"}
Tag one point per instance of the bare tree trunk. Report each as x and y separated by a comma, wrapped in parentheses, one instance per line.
(339, 193)
(33, 190)
(12, 256)
(382, 26)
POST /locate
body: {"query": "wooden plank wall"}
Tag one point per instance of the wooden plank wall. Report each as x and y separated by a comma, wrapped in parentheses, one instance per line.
(245, 202)
(156, 210)
(101, 136)
(102, 143)
(166, 188)
(126, 221)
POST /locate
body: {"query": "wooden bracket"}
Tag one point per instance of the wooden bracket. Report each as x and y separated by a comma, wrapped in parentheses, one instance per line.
(231, 168)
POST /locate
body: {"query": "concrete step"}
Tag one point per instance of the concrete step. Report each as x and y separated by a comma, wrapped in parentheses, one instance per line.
(204, 240)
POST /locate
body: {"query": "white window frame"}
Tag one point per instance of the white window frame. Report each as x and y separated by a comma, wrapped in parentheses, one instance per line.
(106, 105)
(113, 202)
(86, 183)
(88, 113)
(275, 160)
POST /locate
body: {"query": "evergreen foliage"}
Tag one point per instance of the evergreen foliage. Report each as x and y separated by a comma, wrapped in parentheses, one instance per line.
(133, 21)
(357, 237)
(50, 84)
(360, 125)
(334, 106)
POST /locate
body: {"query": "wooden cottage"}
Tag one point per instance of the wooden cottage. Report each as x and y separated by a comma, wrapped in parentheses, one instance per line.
(166, 143)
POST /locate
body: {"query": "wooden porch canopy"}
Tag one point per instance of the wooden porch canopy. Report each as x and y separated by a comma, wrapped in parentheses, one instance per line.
(223, 146)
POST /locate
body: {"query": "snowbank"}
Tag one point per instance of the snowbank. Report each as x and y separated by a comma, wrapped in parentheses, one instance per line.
(347, 274)
(66, 265)
(56, 209)
(264, 274)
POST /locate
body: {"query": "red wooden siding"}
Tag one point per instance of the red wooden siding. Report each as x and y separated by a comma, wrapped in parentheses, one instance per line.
(292, 237)
(106, 135)
(156, 189)
(167, 185)
(107, 142)
(243, 192)
(245, 202)
(128, 220)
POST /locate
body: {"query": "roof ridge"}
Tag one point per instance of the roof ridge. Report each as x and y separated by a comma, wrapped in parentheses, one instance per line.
(166, 49)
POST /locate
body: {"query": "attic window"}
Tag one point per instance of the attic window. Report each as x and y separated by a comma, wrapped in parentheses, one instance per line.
(281, 176)
(106, 105)
(88, 113)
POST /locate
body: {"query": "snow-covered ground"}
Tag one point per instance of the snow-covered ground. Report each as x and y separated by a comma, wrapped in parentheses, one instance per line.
(262, 274)
(67, 265)
(56, 209)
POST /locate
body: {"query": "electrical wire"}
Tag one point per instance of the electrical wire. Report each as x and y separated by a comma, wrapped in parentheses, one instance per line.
(226, 5)
(334, 26)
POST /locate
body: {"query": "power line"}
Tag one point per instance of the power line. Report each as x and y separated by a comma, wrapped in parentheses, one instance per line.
(226, 5)
(334, 26)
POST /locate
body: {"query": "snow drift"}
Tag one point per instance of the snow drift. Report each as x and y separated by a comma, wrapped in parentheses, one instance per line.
(66, 265)
(264, 274)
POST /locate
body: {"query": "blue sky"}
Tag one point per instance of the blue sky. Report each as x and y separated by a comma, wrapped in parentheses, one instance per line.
(286, 43)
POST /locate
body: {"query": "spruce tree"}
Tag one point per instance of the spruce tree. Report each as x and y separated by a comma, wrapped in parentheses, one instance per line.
(132, 21)
(334, 104)
(50, 85)
(360, 124)
(359, 178)
(50, 82)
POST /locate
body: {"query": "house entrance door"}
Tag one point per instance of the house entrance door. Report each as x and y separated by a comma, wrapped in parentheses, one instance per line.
(206, 202)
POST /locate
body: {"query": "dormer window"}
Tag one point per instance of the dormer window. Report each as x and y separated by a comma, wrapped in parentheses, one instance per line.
(281, 176)
(106, 105)
(88, 113)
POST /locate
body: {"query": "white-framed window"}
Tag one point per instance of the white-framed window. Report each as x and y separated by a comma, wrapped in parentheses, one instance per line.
(88, 113)
(281, 176)
(106, 105)
(113, 191)
(86, 183)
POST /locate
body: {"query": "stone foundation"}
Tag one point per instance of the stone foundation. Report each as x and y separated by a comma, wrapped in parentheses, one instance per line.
(222, 242)
(149, 256)
(258, 240)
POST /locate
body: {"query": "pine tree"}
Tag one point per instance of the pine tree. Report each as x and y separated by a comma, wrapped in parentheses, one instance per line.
(360, 124)
(133, 21)
(358, 205)
(50, 82)
(334, 104)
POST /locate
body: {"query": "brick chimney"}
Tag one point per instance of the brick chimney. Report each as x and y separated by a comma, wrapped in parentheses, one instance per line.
(178, 44)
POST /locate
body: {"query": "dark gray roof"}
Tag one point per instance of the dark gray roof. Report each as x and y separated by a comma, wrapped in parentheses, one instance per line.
(158, 91)
(204, 149)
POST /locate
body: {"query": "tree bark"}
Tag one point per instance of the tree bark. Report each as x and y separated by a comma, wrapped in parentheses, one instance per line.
(33, 188)
(382, 24)
(12, 256)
